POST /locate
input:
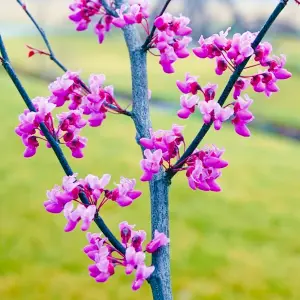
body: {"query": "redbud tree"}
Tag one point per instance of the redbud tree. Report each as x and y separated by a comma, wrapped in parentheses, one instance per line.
(165, 151)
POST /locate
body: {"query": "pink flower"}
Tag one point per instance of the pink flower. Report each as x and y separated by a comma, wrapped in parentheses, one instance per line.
(221, 65)
(151, 164)
(242, 116)
(61, 89)
(168, 141)
(125, 193)
(131, 13)
(82, 11)
(212, 111)
(102, 27)
(190, 85)
(137, 239)
(133, 259)
(95, 186)
(142, 273)
(171, 39)
(210, 91)
(103, 267)
(126, 231)
(160, 239)
(76, 145)
(240, 86)
(43, 107)
(204, 168)
(80, 213)
(56, 200)
(71, 120)
(188, 105)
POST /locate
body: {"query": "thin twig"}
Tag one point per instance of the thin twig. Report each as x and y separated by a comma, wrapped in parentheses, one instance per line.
(233, 78)
(109, 9)
(145, 47)
(53, 57)
(55, 146)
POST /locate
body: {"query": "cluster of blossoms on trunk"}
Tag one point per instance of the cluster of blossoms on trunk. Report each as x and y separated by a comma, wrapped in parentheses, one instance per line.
(81, 200)
(106, 258)
(202, 168)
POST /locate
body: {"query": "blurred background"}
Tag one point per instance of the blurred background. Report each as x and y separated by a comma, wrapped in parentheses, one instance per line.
(242, 243)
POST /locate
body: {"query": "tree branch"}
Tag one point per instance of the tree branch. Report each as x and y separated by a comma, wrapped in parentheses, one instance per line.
(109, 9)
(55, 146)
(145, 47)
(228, 88)
(53, 57)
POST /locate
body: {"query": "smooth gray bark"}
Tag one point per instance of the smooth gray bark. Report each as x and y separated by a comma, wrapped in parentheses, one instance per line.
(160, 280)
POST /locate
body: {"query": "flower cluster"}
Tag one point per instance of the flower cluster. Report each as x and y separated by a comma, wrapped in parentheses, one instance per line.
(171, 39)
(165, 145)
(229, 53)
(210, 109)
(95, 101)
(29, 126)
(106, 258)
(60, 197)
(134, 12)
(203, 168)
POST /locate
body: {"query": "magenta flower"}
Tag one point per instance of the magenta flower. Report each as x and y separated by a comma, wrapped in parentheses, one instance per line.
(160, 239)
(126, 231)
(137, 239)
(95, 186)
(171, 39)
(242, 116)
(168, 141)
(142, 273)
(76, 145)
(131, 13)
(57, 200)
(61, 89)
(240, 86)
(151, 164)
(190, 85)
(125, 193)
(204, 168)
(209, 91)
(188, 105)
(103, 267)
(82, 11)
(71, 120)
(133, 259)
(102, 27)
(212, 111)
(80, 213)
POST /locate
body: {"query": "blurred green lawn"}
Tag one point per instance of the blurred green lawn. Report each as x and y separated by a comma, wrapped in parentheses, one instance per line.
(242, 243)
(82, 52)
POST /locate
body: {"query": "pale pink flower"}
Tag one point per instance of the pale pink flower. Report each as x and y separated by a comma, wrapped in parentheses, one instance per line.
(125, 192)
(213, 112)
(160, 239)
(133, 259)
(151, 164)
(142, 273)
(188, 105)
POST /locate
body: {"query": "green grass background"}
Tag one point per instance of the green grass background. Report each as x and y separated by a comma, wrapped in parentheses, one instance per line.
(242, 243)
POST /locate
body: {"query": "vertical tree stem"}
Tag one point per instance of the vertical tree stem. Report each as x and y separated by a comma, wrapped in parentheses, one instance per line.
(160, 280)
